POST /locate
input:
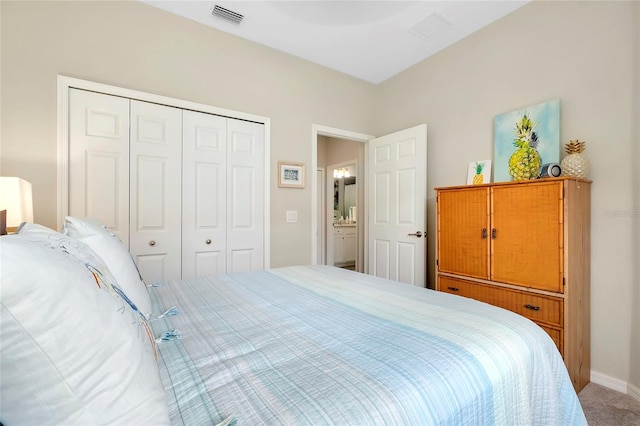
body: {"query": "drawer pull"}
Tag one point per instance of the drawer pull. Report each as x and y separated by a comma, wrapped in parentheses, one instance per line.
(453, 288)
(533, 308)
(152, 243)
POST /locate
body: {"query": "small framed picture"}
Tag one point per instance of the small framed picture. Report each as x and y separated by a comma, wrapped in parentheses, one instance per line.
(479, 172)
(290, 175)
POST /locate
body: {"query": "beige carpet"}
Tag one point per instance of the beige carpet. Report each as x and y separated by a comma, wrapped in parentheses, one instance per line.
(606, 407)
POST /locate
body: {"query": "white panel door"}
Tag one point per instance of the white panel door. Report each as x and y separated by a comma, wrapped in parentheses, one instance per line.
(204, 194)
(155, 190)
(397, 211)
(245, 195)
(99, 159)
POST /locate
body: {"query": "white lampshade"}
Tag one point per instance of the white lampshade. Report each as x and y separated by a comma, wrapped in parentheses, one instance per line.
(16, 199)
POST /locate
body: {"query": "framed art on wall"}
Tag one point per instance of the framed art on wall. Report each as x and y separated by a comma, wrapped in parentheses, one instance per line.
(524, 140)
(290, 175)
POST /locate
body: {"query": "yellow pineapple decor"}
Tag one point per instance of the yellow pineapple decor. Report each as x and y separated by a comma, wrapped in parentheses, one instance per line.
(576, 163)
(525, 161)
(575, 146)
(478, 178)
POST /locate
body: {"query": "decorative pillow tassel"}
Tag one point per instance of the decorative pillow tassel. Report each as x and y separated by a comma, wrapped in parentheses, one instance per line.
(229, 421)
(169, 335)
(169, 312)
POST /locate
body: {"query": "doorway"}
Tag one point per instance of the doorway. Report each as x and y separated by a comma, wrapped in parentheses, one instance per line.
(341, 207)
(355, 147)
(395, 176)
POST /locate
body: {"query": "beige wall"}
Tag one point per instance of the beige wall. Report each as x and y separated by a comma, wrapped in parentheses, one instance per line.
(581, 52)
(136, 46)
(634, 376)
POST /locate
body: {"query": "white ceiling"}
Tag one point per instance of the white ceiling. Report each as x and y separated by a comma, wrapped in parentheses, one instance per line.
(370, 40)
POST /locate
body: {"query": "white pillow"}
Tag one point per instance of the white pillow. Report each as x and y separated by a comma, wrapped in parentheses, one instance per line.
(115, 255)
(79, 250)
(71, 353)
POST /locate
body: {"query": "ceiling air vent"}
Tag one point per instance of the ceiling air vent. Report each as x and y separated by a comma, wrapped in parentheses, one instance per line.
(227, 15)
(430, 26)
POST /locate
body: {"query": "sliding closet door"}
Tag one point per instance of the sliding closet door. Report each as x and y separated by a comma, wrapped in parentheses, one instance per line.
(204, 193)
(155, 190)
(245, 199)
(99, 159)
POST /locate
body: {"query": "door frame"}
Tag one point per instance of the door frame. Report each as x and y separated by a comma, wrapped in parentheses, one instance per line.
(320, 130)
(321, 221)
(65, 83)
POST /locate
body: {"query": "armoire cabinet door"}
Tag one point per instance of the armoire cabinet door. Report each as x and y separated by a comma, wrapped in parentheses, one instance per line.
(99, 159)
(527, 240)
(463, 229)
(155, 190)
(204, 194)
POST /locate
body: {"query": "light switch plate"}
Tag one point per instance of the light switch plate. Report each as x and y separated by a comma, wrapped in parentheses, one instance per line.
(292, 216)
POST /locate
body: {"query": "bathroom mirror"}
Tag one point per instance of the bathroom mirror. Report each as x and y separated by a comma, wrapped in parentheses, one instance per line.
(344, 203)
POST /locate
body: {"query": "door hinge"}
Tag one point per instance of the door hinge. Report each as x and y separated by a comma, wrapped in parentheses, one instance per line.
(436, 262)
(563, 284)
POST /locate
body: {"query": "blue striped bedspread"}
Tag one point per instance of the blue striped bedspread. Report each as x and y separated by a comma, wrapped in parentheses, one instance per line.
(320, 345)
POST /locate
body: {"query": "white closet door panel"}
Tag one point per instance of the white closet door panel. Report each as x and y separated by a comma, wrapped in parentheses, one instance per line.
(209, 263)
(242, 260)
(245, 197)
(99, 159)
(152, 183)
(204, 194)
(154, 267)
(155, 190)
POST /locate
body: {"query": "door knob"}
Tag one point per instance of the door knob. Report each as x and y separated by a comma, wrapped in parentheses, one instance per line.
(152, 243)
(416, 234)
(208, 241)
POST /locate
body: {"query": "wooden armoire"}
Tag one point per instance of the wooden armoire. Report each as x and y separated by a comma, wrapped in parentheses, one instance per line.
(523, 246)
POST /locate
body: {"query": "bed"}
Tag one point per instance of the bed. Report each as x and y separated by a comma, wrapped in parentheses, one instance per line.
(323, 345)
(295, 345)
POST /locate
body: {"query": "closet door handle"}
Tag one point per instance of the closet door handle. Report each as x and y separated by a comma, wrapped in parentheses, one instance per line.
(152, 243)
(493, 233)
(208, 241)
(484, 233)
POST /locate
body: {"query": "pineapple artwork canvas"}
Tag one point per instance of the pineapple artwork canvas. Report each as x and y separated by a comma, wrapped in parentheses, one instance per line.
(524, 140)
(479, 172)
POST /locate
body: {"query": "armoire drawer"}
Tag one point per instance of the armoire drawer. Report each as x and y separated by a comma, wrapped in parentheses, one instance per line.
(556, 336)
(543, 309)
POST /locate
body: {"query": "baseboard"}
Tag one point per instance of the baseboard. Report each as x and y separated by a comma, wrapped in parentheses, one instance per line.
(609, 382)
(634, 392)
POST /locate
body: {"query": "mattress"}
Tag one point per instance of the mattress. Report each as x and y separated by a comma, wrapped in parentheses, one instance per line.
(322, 345)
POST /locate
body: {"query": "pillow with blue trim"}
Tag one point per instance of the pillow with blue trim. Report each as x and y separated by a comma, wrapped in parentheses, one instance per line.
(71, 352)
(115, 255)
